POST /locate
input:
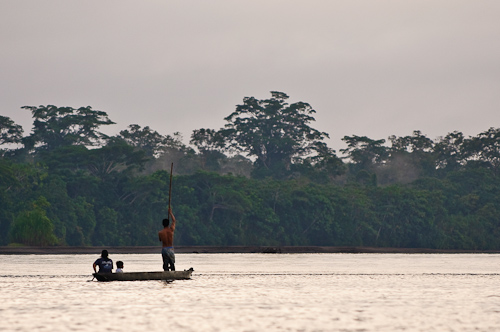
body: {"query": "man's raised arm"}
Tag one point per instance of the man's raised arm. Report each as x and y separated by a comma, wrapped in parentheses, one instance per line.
(172, 224)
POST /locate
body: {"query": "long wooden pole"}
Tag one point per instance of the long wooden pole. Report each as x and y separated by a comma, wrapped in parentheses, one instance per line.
(170, 187)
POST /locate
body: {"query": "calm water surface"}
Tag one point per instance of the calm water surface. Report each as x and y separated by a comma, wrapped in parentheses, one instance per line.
(255, 292)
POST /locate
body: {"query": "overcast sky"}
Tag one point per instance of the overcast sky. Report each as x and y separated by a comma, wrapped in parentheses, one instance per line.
(369, 68)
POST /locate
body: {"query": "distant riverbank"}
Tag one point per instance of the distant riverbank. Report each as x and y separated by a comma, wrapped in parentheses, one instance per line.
(59, 250)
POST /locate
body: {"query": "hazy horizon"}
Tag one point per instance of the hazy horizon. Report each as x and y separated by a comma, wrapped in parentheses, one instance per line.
(368, 68)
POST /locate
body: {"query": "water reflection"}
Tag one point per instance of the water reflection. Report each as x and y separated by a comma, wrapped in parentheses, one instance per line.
(255, 292)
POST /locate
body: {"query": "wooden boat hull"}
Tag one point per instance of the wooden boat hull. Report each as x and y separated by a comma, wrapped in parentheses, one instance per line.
(135, 276)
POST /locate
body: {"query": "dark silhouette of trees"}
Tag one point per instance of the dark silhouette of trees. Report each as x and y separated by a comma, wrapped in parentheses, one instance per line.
(275, 133)
(69, 184)
(54, 127)
(9, 131)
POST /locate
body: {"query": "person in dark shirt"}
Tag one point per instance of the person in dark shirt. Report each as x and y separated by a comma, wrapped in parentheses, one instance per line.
(105, 264)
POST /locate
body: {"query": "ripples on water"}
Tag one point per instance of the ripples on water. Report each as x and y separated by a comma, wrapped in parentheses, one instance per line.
(255, 292)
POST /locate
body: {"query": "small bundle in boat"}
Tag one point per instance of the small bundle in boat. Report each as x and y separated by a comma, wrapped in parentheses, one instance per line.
(135, 276)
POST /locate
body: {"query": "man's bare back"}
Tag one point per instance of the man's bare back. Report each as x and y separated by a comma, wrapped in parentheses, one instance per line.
(166, 235)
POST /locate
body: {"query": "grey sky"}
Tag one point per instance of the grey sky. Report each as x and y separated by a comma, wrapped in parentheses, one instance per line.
(372, 68)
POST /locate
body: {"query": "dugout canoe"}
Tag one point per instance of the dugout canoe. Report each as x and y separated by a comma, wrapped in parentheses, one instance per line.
(136, 276)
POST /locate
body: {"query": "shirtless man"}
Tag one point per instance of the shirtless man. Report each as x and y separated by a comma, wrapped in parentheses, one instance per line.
(166, 236)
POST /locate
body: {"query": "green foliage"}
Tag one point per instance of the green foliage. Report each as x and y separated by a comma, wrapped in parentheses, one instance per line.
(450, 152)
(7, 182)
(486, 149)
(274, 132)
(364, 152)
(10, 133)
(72, 185)
(150, 141)
(54, 127)
(107, 230)
(34, 228)
(116, 157)
(210, 144)
(459, 211)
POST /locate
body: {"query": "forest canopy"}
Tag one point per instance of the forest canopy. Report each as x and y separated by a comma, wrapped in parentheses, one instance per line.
(266, 178)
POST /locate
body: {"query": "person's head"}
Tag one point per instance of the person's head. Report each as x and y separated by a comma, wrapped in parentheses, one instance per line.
(166, 222)
(104, 254)
(119, 264)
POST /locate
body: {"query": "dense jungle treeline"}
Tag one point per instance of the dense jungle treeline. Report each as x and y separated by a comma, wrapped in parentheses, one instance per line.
(267, 178)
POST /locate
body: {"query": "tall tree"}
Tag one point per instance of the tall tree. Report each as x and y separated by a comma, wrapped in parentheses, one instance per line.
(114, 158)
(415, 143)
(416, 151)
(11, 134)
(210, 144)
(274, 132)
(323, 167)
(450, 151)
(207, 140)
(365, 152)
(54, 127)
(147, 139)
(484, 149)
(9, 131)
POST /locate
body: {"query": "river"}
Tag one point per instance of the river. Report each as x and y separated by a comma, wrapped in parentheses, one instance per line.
(255, 292)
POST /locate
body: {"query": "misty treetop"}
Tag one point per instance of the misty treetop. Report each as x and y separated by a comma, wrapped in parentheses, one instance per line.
(275, 133)
(266, 178)
(54, 127)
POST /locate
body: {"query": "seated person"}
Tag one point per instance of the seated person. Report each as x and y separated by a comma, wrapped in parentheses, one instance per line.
(105, 264)
(119, 267)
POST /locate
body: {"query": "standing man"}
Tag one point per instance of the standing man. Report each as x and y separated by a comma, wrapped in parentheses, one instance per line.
(105, 264)
(166, 236)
